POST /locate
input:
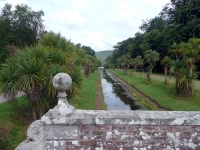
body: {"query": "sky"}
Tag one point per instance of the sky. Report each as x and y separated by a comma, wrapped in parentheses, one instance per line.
(99, 24)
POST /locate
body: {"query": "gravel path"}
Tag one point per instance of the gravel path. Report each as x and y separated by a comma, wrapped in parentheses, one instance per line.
(4, 98)
(172, 80)
(100, 96)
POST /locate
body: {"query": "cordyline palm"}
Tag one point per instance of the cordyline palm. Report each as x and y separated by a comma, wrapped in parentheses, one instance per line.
(73, 61)
(55, 40)
(28, 75)
(81, 59)
(151, 57)
(166, 62)
(191, 79)
(190, 57)
(90, 63)
(183, 78)
(119, 62)
(175, 69)
(176, 49)
(125, 62)
(32, 70)
(127, 57)
(139, 62)
(134, 64)
(86, 67)
(93, 63)
(188, 53)
(186, 80)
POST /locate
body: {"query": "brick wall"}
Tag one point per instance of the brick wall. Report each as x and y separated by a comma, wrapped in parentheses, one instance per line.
(136, 137)
(119, 130)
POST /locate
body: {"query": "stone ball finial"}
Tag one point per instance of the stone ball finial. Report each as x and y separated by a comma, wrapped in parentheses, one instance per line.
(62, 82)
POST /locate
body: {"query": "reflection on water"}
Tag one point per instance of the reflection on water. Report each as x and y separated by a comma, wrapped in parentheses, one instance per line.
(116, 96)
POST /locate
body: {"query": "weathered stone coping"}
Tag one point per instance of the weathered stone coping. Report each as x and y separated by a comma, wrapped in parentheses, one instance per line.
(92, 117)
(118, 130)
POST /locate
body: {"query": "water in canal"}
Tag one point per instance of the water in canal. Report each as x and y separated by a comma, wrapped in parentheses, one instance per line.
(116, 96)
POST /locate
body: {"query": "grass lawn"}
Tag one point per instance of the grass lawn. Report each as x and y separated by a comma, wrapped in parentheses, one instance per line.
(14, 121)
(85, 98)
(165, 97)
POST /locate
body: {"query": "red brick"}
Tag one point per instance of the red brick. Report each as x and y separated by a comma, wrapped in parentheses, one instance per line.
(87, 143)
(103, 127)
(119, 127)
(121, 142)
(86, 127)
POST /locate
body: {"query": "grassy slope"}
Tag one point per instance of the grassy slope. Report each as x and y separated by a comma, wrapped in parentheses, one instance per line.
(14, 121)
(86, 97)
(102, 55)
(165, 97)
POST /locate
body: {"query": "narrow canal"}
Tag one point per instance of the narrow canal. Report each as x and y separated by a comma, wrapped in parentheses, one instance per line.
(116, 96)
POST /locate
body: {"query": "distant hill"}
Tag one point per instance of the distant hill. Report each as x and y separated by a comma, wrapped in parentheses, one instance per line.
(102, 55)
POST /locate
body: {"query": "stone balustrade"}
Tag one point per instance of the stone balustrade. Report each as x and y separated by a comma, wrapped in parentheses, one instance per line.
(64, 128)
(115, 130)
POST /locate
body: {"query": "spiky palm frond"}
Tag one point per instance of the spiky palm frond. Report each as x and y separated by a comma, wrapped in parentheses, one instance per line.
(56, 56)
(77, 78)
(39, 52)
(30, 73)
(183, 74)
(166, 61)
(175, 66)
(50, 40)
(151, 56)
(8, 80)
(190, 56)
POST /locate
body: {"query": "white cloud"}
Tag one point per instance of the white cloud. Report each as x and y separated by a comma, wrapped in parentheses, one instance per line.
(93, 39)
(99, 24)
(71, 17)
(83, 4)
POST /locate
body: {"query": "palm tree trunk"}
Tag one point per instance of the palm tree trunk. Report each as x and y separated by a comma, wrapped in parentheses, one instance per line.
(191, 89)
(34, 111)
(177, 86)
(41, 113)
(128, 67)
(143, 71)
(86, 70)
(170, 75)
(165, 69)
(190, 67)
(134, 70)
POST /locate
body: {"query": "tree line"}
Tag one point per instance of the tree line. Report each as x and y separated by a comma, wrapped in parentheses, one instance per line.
(169, 41)
(31, 57)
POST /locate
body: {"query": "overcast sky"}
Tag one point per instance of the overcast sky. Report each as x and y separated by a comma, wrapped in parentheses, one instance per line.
(99, 24)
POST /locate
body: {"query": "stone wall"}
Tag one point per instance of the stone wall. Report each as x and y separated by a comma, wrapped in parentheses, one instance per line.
(115, 130)
(64, 128)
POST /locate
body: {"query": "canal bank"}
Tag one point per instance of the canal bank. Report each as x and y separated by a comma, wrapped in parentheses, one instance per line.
(146, 100)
